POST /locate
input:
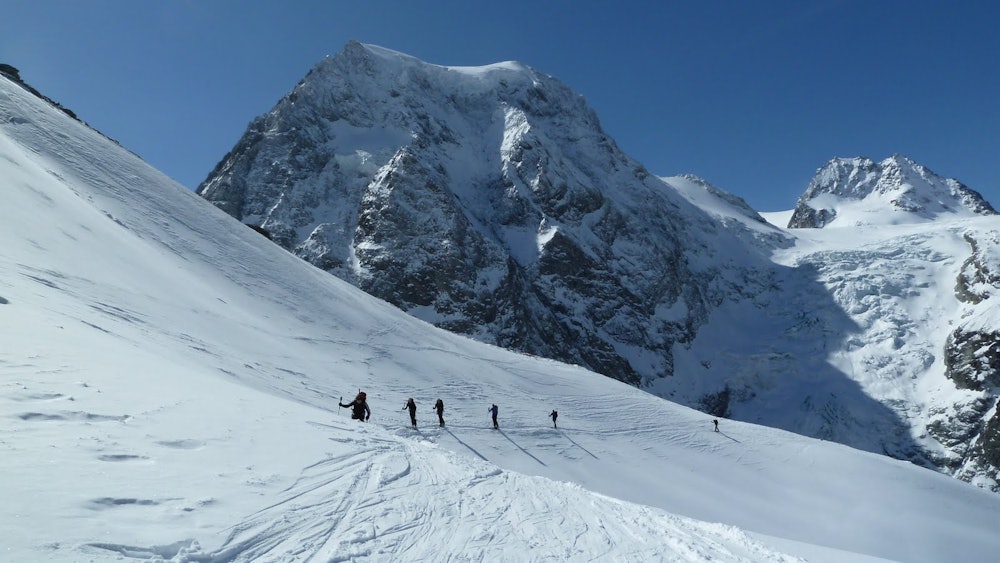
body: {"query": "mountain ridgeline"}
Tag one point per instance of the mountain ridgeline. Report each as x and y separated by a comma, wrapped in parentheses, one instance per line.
(489, 202)
(895, 185)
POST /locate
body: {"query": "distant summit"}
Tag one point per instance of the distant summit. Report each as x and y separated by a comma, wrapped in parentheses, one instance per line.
(859, 191)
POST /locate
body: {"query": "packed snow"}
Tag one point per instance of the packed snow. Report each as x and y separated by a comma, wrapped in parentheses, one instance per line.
(170, 384)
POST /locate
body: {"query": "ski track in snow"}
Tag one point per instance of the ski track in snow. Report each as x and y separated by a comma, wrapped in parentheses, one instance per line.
(379, 500)
(378, 493)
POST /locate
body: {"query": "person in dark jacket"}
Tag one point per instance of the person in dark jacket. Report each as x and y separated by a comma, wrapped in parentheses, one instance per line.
(439, 408)
(413, 411)
(493, 412)
(554, 415)
(359, 406)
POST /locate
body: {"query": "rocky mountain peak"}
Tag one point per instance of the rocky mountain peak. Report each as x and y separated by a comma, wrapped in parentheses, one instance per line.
(366, 84)
(486, 200)
(853, 191)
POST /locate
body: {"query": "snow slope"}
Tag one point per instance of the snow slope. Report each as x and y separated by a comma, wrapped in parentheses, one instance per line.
(169, 380)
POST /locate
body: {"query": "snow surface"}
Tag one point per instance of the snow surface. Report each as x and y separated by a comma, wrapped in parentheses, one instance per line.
(169, 384)
(400, 59)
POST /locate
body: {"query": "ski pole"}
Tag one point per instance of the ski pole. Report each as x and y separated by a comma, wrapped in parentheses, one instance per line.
(339, 403)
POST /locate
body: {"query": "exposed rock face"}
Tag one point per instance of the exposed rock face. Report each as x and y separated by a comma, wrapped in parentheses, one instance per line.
(972, 359)
(487, 201)
(972, 362)
(897, 183)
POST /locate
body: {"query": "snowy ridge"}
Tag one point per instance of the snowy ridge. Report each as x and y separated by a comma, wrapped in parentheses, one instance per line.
(169, 389)
(861, 192)
(731, 212)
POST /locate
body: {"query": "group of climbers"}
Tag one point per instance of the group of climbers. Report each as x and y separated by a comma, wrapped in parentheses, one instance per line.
(412, 406)
(361, 411)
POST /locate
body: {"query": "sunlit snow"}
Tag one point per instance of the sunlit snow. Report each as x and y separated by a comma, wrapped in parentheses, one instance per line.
(169, 386)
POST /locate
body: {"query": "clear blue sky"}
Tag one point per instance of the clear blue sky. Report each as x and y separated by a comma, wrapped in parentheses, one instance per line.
(752, 95)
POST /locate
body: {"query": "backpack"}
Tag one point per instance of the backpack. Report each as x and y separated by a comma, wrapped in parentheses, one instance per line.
(361, 396)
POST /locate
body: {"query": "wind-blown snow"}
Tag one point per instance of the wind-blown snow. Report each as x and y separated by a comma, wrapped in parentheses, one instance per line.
(169, 384)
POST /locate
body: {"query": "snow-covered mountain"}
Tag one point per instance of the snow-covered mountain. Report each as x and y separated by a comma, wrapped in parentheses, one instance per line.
(489, 202)
(910, 256)
(169, 385)
(861, 192)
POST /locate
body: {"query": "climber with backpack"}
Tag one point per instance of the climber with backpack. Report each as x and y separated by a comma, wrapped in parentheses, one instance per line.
(439, 408)
(359, 406)
(493, 413)
(413, 411)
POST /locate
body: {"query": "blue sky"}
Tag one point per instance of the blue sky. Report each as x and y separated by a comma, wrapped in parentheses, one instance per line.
(753, 96)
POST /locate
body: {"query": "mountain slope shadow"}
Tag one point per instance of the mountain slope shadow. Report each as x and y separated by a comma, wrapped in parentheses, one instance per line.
(462, 442)
(526, 452)
(769, 359)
